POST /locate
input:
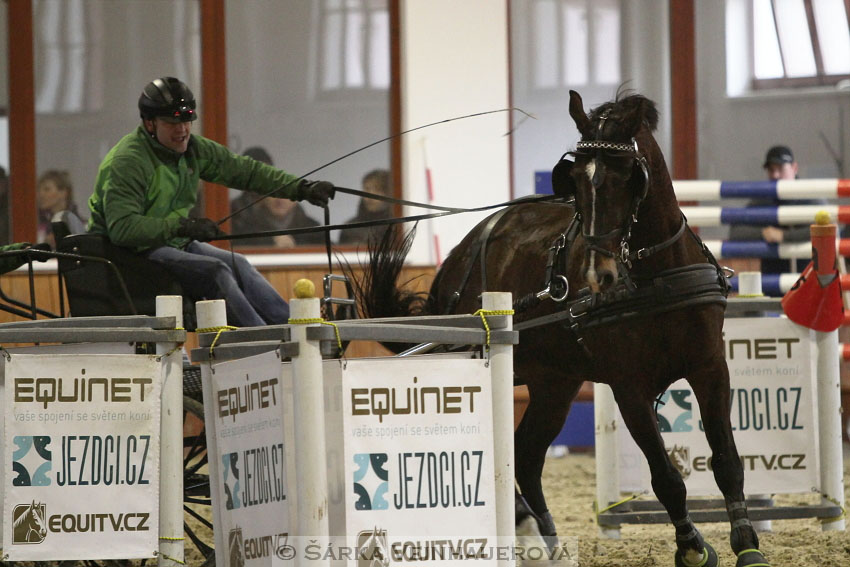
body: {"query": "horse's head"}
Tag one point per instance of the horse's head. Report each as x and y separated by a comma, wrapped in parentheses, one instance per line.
(680, 457)
(30, 525)
(38, 519)
(375, 550)
(609, 179)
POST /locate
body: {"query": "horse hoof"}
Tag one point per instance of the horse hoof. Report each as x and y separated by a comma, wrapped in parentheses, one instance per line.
(547, 525)
(751, 558)
(709, 558)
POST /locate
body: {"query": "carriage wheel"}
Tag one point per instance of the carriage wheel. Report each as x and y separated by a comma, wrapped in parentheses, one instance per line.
(197, 516)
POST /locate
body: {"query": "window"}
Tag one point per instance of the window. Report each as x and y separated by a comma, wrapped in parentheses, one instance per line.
(353, 52)
(800, 42)
(575, 43)
(65, 52)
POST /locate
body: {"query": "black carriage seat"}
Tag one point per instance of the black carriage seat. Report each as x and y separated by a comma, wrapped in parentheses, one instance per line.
(66, 222)
(94, 287)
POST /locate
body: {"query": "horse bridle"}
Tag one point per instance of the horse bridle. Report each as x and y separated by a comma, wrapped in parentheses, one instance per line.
(625, 257)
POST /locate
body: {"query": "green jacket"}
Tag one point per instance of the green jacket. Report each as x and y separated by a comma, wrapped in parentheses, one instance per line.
(143, 189)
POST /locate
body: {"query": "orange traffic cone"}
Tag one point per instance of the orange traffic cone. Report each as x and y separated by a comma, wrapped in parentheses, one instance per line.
(815, 299)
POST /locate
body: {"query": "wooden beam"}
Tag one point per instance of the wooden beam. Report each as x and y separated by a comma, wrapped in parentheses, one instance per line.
(21, 122)
(395, 101)
(214, 98)
(511, 115)
(778, 40)
(813, 37)
(683, 89)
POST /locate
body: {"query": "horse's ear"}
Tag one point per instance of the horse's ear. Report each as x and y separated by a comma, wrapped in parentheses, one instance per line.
(563, 184)
(577, 113)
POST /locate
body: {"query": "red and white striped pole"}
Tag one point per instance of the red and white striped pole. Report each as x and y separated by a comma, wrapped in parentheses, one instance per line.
(429, 184)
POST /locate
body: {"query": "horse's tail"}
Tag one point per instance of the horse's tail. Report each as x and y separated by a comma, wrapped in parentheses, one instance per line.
(377, 290)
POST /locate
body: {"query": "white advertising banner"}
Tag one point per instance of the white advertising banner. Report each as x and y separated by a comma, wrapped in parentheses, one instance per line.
(313, 547)
(82, 454)
(772, 370)
(419, 460)
(252, 460)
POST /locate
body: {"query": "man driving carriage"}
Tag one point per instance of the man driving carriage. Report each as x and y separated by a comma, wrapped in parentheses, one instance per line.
(148, 183)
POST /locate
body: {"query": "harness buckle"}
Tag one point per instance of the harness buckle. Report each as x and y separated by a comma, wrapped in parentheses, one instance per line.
(561, 284)
(642, 253)
(624, 253)
(580, 303)
(564, 286)
(559, 243)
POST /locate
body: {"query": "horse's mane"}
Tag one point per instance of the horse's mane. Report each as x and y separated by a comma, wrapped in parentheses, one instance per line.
(628, 109)
(25, 516)
(22, 518)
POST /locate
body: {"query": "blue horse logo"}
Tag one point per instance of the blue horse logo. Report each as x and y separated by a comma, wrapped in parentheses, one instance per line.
(371, 481)
(678, 414)
(230, 468)
(33, 472)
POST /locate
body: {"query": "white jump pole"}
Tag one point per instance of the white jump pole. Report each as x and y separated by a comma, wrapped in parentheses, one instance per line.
(502, 377)
(607, 473)
(171, 440)
(212, 314)
(823, 235)
(311, 478)
(829, 425)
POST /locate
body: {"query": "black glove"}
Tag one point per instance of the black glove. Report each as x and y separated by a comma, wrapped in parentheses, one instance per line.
(43, 246)
(316, 192)
(200, 229)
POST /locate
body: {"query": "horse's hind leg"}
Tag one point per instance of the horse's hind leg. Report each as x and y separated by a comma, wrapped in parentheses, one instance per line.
(667, 483)
(711, 387)
(544, 418)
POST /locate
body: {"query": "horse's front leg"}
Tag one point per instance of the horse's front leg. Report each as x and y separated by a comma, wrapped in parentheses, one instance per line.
(549, 402)
(667, 483)
(711, 387)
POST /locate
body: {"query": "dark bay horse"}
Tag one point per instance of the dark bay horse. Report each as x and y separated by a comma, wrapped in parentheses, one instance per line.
(612, 287)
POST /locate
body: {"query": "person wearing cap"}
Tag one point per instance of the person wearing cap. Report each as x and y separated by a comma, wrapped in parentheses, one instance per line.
(779, 164)
(149, 181)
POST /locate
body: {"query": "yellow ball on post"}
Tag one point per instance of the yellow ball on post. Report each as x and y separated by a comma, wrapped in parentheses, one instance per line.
(305, 289)
(822, 218)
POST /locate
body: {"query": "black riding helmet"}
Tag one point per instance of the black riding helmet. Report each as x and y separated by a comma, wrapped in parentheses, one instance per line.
(167, 98)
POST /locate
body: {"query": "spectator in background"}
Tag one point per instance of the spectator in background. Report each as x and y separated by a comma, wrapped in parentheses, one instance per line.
(271, 214)
(376, 182)
(55, 198)
(779, 164)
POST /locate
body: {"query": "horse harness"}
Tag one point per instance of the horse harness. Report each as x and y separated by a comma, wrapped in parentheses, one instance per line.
(632, 296)
(639, 296)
